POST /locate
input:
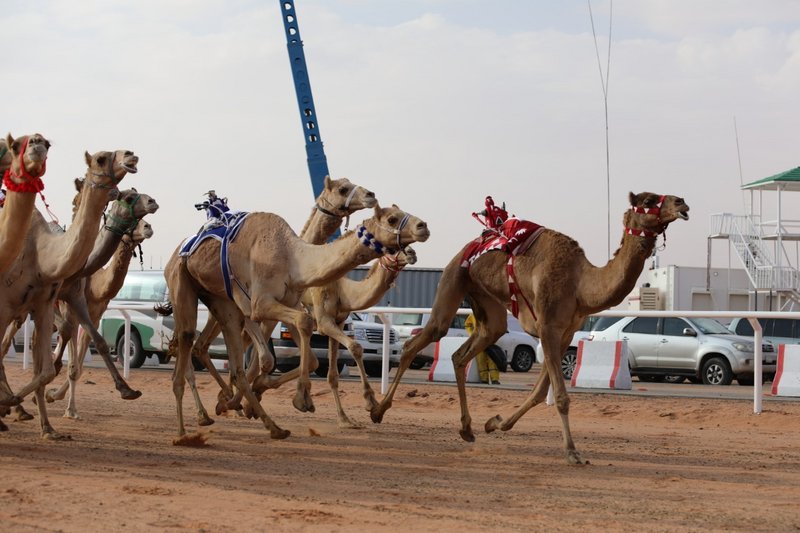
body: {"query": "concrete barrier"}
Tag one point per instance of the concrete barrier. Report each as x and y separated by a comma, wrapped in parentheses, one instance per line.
(602, 365)
(787, 373)
(442, 366)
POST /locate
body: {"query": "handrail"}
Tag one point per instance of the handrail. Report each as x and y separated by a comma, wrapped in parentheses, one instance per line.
(752, 317)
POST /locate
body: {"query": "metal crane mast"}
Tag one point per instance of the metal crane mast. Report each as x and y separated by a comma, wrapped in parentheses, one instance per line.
(317, 162)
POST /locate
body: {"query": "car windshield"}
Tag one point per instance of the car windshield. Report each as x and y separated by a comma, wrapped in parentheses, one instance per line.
(603, 322)
(407, 319)
(710, 326)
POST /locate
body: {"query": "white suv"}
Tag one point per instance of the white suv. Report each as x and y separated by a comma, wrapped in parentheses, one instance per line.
(701, 349)
(517, 349)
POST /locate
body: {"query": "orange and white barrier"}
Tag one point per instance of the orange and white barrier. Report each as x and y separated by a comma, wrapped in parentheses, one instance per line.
(602, 365)
(787, 373)
(442, 366)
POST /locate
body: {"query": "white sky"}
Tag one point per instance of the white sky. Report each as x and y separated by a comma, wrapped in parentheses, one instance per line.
(432, 104)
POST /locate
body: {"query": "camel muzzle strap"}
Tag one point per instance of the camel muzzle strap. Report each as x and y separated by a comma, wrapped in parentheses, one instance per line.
(30, 182)
(121, 226)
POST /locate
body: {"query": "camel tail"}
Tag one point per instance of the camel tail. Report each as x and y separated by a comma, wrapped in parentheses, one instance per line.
(163, 309)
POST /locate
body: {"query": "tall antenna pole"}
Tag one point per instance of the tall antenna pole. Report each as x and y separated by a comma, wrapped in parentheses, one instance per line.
(604, 85)
(317, 162)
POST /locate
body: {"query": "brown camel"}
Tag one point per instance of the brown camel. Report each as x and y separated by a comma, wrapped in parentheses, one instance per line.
(271, 267)
(25, 160)
(48, 258)
(122, 218)
(560, 287)
(332, 304)
(338, 200)
(97, 291)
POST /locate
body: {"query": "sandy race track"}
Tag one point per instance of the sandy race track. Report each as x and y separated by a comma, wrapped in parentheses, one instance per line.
(657, 464)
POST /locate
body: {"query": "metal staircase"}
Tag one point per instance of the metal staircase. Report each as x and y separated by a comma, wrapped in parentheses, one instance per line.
(757, 256)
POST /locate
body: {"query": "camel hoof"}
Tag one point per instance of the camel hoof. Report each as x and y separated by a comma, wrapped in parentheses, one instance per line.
(204, 420)
(22, 416)
(574, 458)
(279, 433)
(195, 440)
(50, 395)
(55, 436)
(493, 423)
(303, 403)
(13, 400)
(467, 435)
(377, 415)
(371, 404)
(72, 414)
(346, 423)
(129, 394)
(222, 407)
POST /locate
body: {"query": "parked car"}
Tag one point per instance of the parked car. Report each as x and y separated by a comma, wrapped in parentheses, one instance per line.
(776, 330)
(150, 332)
(368, 334)
(570, 357)
(700, 349)
(516, 348)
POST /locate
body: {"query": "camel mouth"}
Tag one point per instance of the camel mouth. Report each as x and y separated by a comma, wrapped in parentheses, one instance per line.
(422, 236)
(152, 207)
(683, 215)
(129, 168)
(370, 202)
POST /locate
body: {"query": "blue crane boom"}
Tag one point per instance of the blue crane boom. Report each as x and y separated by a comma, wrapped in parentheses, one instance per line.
(315, 152)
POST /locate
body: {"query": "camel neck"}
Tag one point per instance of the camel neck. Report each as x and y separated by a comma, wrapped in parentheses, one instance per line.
(15, 222)
(106, 283)
(320, 227)
(326, 263)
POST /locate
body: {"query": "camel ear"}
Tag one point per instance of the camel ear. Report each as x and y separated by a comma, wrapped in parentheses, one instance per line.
(395, 206)
(632, 198)
(9, 140)
(327, 183)
(78, 184)
(88, 158)
(378, 210)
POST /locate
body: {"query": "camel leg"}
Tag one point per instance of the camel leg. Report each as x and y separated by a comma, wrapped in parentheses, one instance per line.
(491, 322)
(200, 351)
(553, 346)
(232, 322)
(79, 307)
(19, 412)
(448, 298)
(202, 415)
(303, 325)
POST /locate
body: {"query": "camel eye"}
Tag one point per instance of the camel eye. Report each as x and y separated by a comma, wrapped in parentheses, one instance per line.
(128, 154)
(343, 191)
(392, 220)
(101, 160)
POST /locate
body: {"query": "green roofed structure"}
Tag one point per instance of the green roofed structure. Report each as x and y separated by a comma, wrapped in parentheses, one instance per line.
(760, 243)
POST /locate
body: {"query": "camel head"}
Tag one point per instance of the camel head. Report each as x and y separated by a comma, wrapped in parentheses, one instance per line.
(407, 257)
(127, 210)
(394, 229)
(142, 231)
(26, 159)
(650, 213)
(343, 198)
(106, 169)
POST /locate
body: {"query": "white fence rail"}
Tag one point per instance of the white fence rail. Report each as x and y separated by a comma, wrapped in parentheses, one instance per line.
(382, 312)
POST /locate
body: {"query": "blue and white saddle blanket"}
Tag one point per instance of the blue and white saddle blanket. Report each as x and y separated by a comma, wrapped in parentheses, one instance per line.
(223, 228)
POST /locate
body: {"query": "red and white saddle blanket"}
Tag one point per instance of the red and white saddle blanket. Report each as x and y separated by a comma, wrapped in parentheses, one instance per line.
(514, 237)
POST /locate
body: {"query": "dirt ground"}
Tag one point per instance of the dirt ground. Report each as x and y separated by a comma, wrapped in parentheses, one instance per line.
(657, 464)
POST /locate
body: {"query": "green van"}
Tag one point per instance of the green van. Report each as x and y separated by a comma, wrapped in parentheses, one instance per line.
(150, 332)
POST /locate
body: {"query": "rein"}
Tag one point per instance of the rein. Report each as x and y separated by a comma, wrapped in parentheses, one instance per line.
(399, 229)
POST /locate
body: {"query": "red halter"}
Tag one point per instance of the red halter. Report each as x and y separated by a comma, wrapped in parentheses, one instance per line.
(648, 211)
(30, 183)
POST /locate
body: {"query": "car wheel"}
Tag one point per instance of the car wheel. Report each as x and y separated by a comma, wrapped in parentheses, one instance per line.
(674, 379)
(322, 369)
(374, 369)
(416, 364)
(651, 378)
(568, 363)
(523, 358)
(164, 358)
(746, 380)
(498, 357)
(137, 352)
(717, 371)
(695, 380)
(198, 365)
